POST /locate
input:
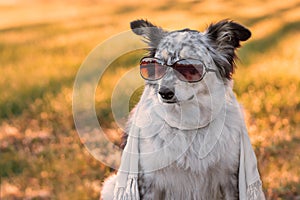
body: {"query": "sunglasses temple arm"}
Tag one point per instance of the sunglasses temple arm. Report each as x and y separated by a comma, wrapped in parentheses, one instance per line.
(210, 70)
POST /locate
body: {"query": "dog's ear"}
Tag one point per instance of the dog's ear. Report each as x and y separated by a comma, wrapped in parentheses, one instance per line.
(150, 32)
(226, 36)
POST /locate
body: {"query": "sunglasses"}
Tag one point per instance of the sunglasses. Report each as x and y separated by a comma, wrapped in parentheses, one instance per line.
(188, 70)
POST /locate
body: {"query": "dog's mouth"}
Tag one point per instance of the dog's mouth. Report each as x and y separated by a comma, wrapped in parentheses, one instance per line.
(170, 101)
(174, 100)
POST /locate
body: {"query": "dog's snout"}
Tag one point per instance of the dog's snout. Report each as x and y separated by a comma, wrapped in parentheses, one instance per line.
(166, 93)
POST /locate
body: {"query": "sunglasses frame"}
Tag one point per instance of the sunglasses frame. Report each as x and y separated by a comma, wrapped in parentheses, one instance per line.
(206, 69)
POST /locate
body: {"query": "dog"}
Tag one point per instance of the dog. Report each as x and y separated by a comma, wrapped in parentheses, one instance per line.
(191, 121)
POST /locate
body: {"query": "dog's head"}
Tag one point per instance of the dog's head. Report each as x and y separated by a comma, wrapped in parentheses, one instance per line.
(212, 52)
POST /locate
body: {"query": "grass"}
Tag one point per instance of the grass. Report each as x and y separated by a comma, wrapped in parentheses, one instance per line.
(43, 45)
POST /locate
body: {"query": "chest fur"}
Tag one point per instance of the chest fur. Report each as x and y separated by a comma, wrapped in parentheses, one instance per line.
(178, 172)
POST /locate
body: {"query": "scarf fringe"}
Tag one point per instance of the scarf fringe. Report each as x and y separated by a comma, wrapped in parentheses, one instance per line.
(131, 192)
(119, 193)
(254, 191)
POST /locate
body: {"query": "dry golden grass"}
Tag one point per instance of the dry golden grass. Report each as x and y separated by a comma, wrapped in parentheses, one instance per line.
(43, 43)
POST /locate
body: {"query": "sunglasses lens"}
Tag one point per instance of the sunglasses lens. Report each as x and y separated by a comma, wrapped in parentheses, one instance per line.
(151, 69)
(189, 71)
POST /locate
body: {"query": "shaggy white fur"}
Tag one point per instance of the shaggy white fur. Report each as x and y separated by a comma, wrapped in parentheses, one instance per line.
(108, 187)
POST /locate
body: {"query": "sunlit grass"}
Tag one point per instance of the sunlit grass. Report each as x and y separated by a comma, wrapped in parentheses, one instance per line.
(43, 45)
(269, 89)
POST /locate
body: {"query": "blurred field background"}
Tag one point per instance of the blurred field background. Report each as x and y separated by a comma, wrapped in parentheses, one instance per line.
(43, 43)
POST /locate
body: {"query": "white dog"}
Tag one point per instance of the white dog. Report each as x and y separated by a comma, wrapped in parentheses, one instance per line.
(186, 137)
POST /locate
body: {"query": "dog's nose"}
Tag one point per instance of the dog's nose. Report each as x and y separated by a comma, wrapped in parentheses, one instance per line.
(166, 93)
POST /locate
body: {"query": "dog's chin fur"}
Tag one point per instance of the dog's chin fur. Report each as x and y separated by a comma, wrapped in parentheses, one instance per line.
(213, 175)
